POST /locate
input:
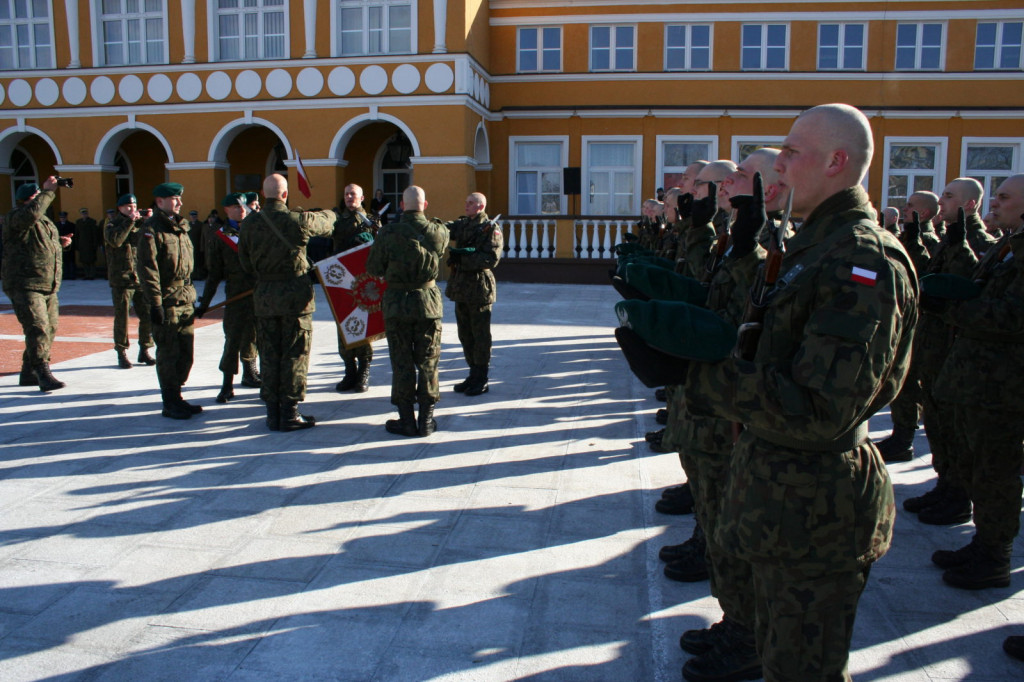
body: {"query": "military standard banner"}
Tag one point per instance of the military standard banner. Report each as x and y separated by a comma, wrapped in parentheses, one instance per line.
(354, 295)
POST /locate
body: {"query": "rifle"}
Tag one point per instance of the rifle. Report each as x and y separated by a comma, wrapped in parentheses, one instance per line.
(236, 297)
(992, 258)
(749, 333)
(721, 248)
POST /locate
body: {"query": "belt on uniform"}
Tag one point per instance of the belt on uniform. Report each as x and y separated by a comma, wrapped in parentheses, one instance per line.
(858, 435)
(177, 283)
(411, 287)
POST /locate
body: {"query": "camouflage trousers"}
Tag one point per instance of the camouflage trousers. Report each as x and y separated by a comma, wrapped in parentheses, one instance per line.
(905, 408)
(38, 314)
(175, 346)
(124, 298)
(991, 451)
(474, 324)
(284, 344)
(364, 352)
(239, 334)
(938, 426)
(415, 348)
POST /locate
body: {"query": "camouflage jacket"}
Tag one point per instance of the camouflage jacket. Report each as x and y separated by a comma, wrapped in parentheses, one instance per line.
(276, 256)
(88, 238)
(977, 236)
(223, 264)
(33, 256)
(165, 261)
(121, 236)
(699, 244)
(983, 366)
(471, 280)
(915, 248)
(347, 228)
(407, 254)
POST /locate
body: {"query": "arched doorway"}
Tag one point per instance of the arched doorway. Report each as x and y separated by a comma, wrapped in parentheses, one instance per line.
(394, 171)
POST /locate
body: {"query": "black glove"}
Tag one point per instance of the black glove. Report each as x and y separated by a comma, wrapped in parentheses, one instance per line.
(156, 314)
(956, 232)
(201, 310)
(684, 205)
(913, 226)
(933, 304)
(630, 237)
(652, 367)
(751, 218)
(705, 209)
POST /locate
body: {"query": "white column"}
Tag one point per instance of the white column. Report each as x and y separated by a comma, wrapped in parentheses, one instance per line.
(188, 30)
(309, 22)
(71, 9)
(440, 25)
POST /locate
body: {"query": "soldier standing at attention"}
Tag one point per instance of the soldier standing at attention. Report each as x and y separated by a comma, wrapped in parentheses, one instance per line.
(164, 267)
(197, 234)
(407, 254)
(88, 238)
(351, 229)
(121, 236)
(66, 228)
(222, 264)
(32, 265)
(272, 248)
(471, 285)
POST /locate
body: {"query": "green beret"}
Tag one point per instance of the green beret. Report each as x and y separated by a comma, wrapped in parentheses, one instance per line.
(949, 286)
(168, 189)
(126, 199)
(648, 258)
(251, 197)
(26, 190)
(234, 199)
(679, 329)
(664, 285)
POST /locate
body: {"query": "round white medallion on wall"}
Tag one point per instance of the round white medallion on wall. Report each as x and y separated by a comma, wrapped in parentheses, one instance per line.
(279, 83)
(102, 89)
(130, 88)
(20, 92)
(373, 80)
(341, 81)
(47, 91)
(248, 84)
(3, 94)
(189, 86)
(439, 77)
(74, 90)
(218, 85)
(159, 88)
(310, 81)
(406, 78)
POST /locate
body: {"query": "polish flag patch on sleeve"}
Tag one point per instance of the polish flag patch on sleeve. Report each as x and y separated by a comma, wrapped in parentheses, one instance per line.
(862, 276)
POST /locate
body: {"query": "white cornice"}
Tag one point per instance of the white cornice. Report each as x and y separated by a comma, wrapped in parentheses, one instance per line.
(891, 76)
(709, 17)
(313, 163)
(197, 165)
(85, 168)
(463, 160)
(1005, 114)
(569, 4)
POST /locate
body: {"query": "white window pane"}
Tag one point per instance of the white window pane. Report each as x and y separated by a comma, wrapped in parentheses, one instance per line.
(600, 36)
(611, 154)
(528, 38)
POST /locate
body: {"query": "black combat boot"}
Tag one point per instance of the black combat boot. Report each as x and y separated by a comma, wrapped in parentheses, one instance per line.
(916, 505)
(173, 407)
(703, 640)
(250, 374)
(405, 425)
(362, 376)
(661, 416)
(291, 420)
(954, 508)
(675, 501)
(467, 382)
(122, 359)
(988, 567)
(899, 446)
(192, 409)
(479, 385)
(348, 381)
(427, 424)
(144, 356)
(687, 563)
(952, 558)
(47, 382)
(732, 659)
(227, 389)
(273, 416)
(27, 376)
(1014, 646)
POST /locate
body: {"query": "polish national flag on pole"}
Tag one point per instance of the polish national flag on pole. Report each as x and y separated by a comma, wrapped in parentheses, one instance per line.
(304, 185)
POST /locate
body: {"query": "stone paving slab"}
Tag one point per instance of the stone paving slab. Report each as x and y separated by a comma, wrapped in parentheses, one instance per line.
(517, 543)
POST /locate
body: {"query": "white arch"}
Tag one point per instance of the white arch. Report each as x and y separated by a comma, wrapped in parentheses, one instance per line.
(340, 142)
(223, 139)
(111, 142)
(481, 145)
(10, 138)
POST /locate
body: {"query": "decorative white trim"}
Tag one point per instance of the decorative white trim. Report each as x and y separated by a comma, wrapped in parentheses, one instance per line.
(17, 132)
(317, 163)
(574, 4)
(440, 26)
(823, 76)
(747, 17)
(84, 168)
(197, 165)
(309, 27)
(622, 113)
(339, 144)
(111, 141)
(222, 140)
(464, 160)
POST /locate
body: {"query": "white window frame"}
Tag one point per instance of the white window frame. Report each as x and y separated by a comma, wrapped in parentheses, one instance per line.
(33, 47)
(98, 19)
(997, 47)
(216, 12)
(539, 50)
(689, 47)
(611, 48)
(939, 173)
(336, 26)
(841, 61)
(918, 47)
(662, 140)
(764, 46)
(513, 157)
(762, 140)
(1016, 167)
(585, 170)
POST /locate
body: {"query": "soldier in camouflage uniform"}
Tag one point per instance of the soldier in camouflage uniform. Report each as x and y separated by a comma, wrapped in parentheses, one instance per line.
(121, 236)
(32, 264)
(88, 240)
(352, 228)
(222, 264)
(471, 284)
(164, 266)
(197, 232)
(984, 368)
(926, 205)
(407, 254)
(272, 247)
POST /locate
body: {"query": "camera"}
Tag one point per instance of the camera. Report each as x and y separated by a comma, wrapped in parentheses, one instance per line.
(65, 182)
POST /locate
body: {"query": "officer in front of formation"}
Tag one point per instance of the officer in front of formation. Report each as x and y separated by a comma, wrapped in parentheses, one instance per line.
(478, 246)
(121, 236)
(352, 228)
(164, 266)
(32, 264)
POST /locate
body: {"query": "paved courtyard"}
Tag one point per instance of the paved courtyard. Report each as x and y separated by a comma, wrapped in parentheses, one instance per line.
(517, 543)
